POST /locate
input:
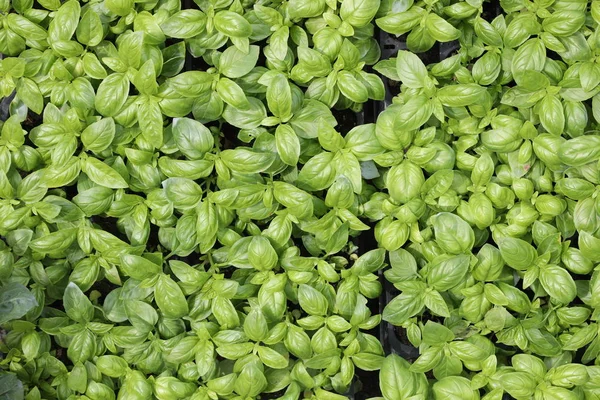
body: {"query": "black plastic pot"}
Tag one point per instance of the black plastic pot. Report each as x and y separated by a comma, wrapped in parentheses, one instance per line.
(391, 337)
(5, 103)
(394, 338)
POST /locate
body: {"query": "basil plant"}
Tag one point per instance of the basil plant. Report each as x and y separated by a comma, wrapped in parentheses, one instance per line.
(264, 199)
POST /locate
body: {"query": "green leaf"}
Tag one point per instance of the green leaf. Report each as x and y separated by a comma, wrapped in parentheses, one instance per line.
(440, 29)
(306, 9)
(92, 67)
(102, 174)
(467, 352)
(519, 384)
(312, 301)
(311, 118)
(558, 283)
(225, 313)
(261, 254)
(398, 382)
(351, 87)
(428, 360)
(249, 118)
(401, 22)
(359, 13)
(414, 113)
(487, 32)
(436, 303)
(184, 24)
(298, 202)
(54, 242)
(245, 161)
(112, 366)
(368, 361)
(65, 21)
(192, 138)
(90, 30)
(138, 267)
(317, 64)
(112, 94)
(517, 253)
(288, 144)
(120, 7)
(25, 28)
(460, 95)
(141, 315)
(411, 70)
(564, 22)
(234, 63)
(15, 301)
(169, 298)
(251, 381)
(232, 24)
(145, 82)
(403, 307)
(452, 233)
(192, 83)
(255, 326)
(346, 161)
(318, 173)
(99, 135)
(77, 306)
(184, 193)
(454, 388)
(298, 343)
(11, 388)
(404, 181)
(580, 150)
(29, 92)
(589, 75)
(272, 358)
(552, 115)
(279, 97)
(32, 188)
(232, 94)
(391, 234)
(82, 347)
(448, 273)
(151, 122)
(530, 56)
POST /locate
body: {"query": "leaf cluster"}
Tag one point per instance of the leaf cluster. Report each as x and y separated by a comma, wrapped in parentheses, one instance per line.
(182, 216)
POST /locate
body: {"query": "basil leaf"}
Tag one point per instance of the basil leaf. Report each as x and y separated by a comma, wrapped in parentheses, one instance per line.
(517, 253)
(234, 63)
(288, 144)
(448, 273)
(99, 135)
(398, 382)
(460, 95)
(169, 298)
(359, 13)
(102, 174)
(452, 233)
(112, 94)
(184, 24)
(192, 138)
(15, 301)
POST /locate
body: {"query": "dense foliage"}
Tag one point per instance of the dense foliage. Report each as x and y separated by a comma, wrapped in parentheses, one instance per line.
(182, 217)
